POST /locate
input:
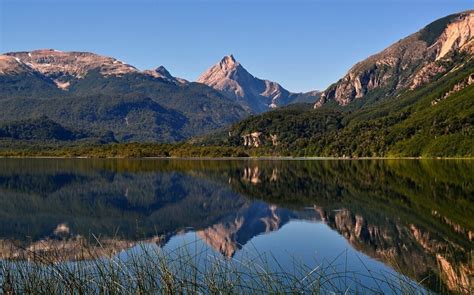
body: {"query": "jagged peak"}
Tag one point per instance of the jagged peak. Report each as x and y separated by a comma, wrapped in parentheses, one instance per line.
(228, 62)
(229, 59)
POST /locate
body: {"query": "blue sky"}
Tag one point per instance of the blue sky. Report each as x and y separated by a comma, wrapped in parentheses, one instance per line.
(304, 45)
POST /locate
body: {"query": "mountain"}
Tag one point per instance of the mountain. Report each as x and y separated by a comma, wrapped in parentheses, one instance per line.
(435, 120)
(388, 105)
(254, 94)
(408, 64)
(92, 92)
(162, 72)
(19, 79)
(64, 67)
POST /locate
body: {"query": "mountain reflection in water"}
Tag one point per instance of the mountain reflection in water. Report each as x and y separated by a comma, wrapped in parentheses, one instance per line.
(413, 215)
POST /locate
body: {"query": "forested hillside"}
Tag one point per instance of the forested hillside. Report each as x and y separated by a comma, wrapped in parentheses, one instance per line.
(434, 120)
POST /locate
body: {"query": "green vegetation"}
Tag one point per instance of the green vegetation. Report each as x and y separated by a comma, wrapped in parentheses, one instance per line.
(9, 148)
(44, 129)
(136, 108)
(413, 123)
(153, 270)
(419, 123)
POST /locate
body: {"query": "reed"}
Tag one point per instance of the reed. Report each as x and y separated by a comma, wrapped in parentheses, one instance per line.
(149, 269)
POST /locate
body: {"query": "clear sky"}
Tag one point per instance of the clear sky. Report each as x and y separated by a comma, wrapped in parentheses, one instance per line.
(304, 45)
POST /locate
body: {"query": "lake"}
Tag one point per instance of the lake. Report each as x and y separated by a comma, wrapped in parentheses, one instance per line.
(391, 218)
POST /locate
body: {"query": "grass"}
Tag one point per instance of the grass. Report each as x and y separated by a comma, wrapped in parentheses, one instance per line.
(149, 269)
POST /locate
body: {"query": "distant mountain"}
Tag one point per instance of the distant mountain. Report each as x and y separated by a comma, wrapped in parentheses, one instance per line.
(408, 64)
(64, 67)
(254, 94)
(88, 91)
(19, 79)
(162, 72)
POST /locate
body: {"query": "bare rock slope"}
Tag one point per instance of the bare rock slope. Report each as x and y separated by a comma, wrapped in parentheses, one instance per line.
(409, 63)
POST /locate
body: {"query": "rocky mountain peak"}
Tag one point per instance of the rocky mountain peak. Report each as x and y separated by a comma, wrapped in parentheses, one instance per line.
(233, 80)
(228, 62)
(162, 73)
(407, 64)
(222, 71)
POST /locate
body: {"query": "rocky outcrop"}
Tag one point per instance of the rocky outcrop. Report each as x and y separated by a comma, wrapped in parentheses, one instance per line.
(456, 88)
(407, 64)
(252, 139)
(232, 79)
(258, 139)
(426, 74)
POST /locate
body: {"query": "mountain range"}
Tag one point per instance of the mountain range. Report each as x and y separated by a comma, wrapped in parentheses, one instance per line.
(421, 85)
(87, 91)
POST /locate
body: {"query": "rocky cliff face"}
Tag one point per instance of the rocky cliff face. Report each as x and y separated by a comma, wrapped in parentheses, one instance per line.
(232, 79)
(407, 64)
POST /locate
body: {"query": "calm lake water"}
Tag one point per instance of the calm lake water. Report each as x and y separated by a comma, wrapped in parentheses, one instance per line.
(392, 217)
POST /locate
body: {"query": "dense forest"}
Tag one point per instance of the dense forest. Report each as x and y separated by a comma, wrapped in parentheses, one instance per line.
(435, 120)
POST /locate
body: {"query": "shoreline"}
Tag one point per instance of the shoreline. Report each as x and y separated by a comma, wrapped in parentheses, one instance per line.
(260, 158)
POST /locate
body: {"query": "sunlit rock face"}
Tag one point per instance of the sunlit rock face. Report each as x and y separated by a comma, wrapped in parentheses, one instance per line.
(10, 65)
(458, 35)
(232, 79)
(257, 139)
(63, 67)
(252, 139)
(409, 63)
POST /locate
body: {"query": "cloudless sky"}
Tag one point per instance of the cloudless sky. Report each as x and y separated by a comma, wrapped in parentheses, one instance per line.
(304, 45)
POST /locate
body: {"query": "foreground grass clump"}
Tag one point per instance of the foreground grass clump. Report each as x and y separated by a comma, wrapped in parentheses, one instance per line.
(148, 269)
